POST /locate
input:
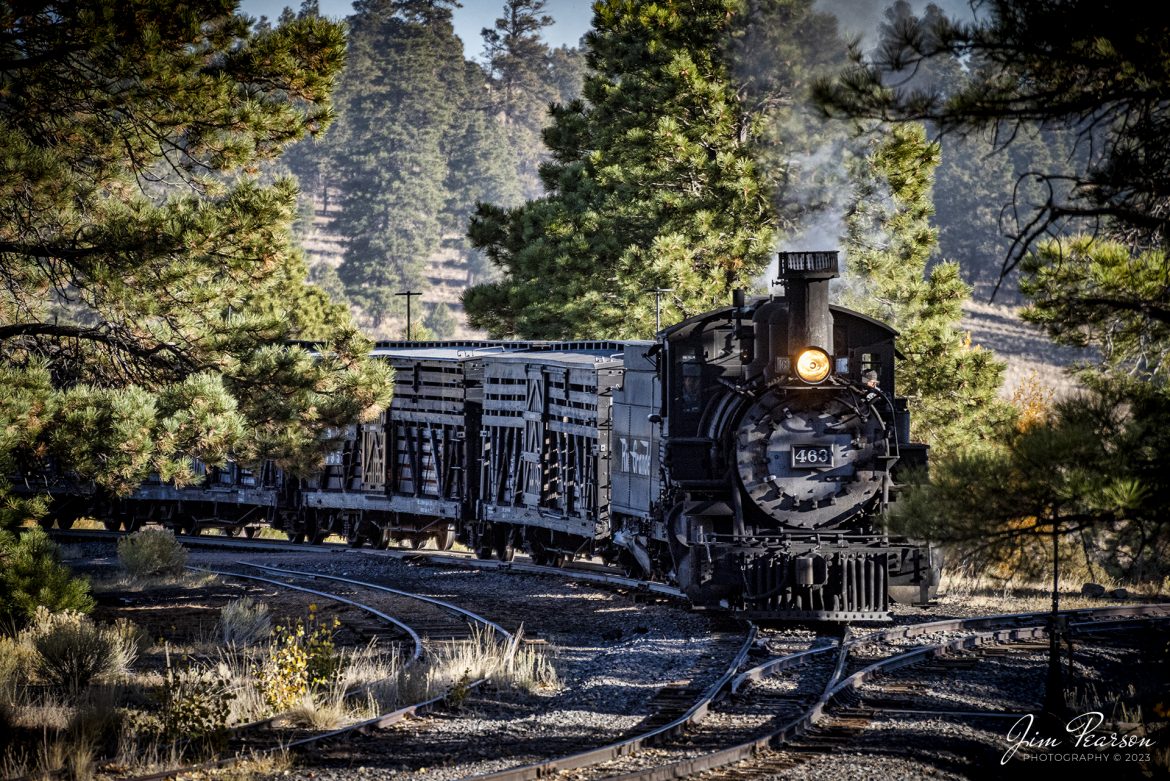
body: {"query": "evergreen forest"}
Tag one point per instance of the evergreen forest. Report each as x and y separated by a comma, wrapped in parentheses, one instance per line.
(427, 128)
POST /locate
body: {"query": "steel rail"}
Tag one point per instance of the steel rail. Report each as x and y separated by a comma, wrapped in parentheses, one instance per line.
(792, 729)
(378, 722)
(446, 557)
(469, 615)
(409, 631)
(368, 725)
(633, 744)
(450, 558)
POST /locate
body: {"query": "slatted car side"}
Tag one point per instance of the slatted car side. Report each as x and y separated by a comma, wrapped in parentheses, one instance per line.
(232, 497)
(544, 476)
(408, 475)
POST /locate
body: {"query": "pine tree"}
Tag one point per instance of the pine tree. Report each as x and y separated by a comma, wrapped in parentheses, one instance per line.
(482, 159)
(440, 322)
(1095, 68)
(403, 87)
(518, 63)
(651, 184)
(32, 576)
(951, 384)
(150, 276)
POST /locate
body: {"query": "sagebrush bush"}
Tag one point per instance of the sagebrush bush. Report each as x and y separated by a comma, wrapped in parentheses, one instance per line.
(244, 622)
(17, 662)
(151, 553)
(72, 652)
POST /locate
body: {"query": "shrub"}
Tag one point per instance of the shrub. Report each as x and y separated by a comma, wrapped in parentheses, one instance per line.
(17, 663)
(72, 652)
(135, 640)
(150, 553)
(300, 657)
(32, 576)
(196, 705)
(244, 622)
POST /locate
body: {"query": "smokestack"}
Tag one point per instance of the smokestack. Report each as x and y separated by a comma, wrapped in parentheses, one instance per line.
(806, 278)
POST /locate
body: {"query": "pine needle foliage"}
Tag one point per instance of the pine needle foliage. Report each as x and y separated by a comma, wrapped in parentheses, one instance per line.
(651, 184)
(32, 576)
(951, 384)
(1091, 473)
(151, 280)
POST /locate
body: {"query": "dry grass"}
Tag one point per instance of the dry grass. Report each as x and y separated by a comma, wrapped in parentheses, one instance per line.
(323, 709)
(187, 579)
(52, 759)
(115, 724)
(1018, 593)
(509, 664)
(244, 622)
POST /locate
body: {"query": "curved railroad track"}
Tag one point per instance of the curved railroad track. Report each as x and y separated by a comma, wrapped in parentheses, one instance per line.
(443, 622)
(586, 572)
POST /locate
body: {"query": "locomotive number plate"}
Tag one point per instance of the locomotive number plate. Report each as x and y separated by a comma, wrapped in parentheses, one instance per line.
(811, 456)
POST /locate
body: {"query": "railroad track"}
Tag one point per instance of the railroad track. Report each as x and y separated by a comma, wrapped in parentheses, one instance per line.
(440, 621)
(678, 707)
(437, 620)
(816, 729)
(586, 572)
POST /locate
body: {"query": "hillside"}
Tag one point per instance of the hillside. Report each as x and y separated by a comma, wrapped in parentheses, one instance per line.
(1027, 350)
(446, 278)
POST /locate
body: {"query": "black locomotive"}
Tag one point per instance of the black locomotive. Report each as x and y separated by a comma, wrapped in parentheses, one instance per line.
(746, 454)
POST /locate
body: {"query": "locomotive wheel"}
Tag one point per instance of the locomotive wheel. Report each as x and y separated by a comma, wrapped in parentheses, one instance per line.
(249, 532)
(231, 531)
(418, 542)
(133, 524)
(318, 537)
(297, 537)
(382, 540)
(483, 552)
(112, 525)
(65, 522)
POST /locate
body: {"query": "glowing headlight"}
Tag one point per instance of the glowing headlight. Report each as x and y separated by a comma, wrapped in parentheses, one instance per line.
(813, 365)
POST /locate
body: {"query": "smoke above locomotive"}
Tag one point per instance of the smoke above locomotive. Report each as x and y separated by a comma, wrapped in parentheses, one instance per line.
(746, 454)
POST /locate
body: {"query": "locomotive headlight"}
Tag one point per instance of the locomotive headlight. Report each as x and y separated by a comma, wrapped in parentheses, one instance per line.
(813, 365)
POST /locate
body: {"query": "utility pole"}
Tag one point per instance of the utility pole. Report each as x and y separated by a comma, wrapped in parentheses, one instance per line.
(409, 294)
(658, 291)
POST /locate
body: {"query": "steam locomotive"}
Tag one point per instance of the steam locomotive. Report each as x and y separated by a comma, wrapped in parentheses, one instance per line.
(746, 454)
